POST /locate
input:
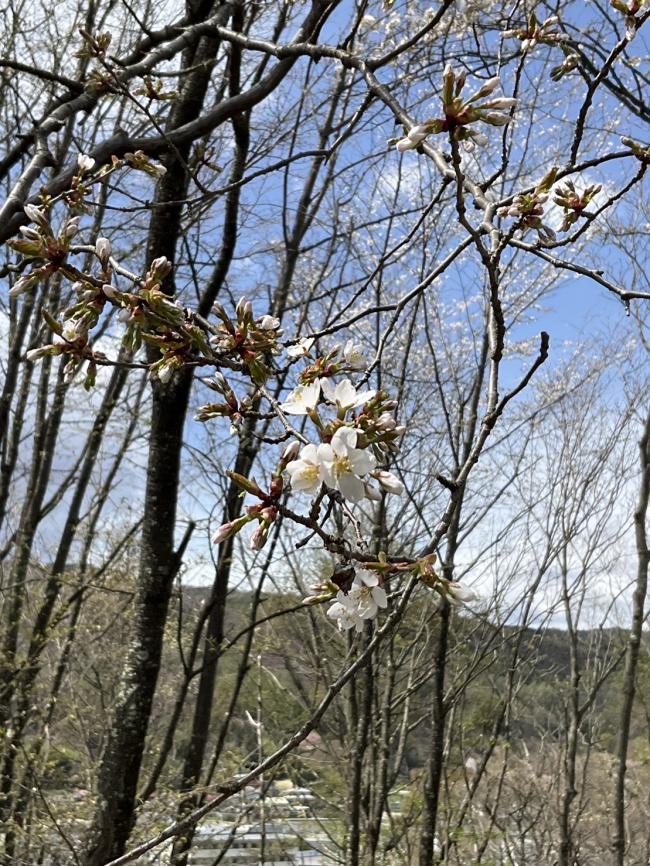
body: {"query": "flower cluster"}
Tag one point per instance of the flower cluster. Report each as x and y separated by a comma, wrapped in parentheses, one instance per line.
(461, 112)
(529, 208)
(361, 603)
(358, 595)
(534, 33)
(248, 338)
(629, 9)
(362, 433)
(573, 202)
(354, 440)
(570, 62)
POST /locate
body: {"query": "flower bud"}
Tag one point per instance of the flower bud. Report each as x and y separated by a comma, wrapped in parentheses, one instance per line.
(488, 87)
(71, 228)
(30, 233)
(459, 594)
(226, 530)
(35, 214)
(290, 452)
(502, 102)
(406, 144)
(160, 267)
(389, 482)
(259, 537)
(371, 492)
(103, 250)
(22, 284)
(385, 422)
(495, 118)
(40, 352)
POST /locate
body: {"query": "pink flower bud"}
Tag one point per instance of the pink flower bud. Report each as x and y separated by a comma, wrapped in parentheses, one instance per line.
(258, 538)
(223, 532)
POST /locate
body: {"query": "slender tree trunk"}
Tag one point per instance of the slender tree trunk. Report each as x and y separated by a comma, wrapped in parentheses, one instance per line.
(632, 652)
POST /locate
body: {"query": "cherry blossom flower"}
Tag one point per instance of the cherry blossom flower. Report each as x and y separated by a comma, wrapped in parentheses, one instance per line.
(85, 162)
(306, 471)
(302, 347)
(367, 595)
(353, 356)
(345, 614)
(302, 399)
(268, 323)
(345, 395)
(342, 464)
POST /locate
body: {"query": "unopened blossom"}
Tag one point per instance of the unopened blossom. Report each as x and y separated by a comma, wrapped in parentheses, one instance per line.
(367, 594)
(302, 399)
(385, 422)
(459, 594)
(353, 356)
(226, 530)
(302, 347)
(258, 538)
(371, 492)
(103, 249)
(40, 352)
(35, 214)
(342, 464)
(413, 138)
(389, 482)
(306, 472)
(290, 452)
(345, 395)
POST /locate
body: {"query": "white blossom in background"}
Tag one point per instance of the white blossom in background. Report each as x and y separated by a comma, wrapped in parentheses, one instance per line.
(343, 464)
(353, 356)
(269, 323)
(305, 473)
(302, 347)
(345, 395)
(302, 399)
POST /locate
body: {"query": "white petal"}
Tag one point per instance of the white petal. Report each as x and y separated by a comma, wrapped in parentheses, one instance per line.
(379, 596)
(372, 493)
(368, 578)
(346, 394)
(344, 439)
(293, 408)
(329, 390)
(362, 397)
(351, 487)
(362, 461)
(309, 453)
